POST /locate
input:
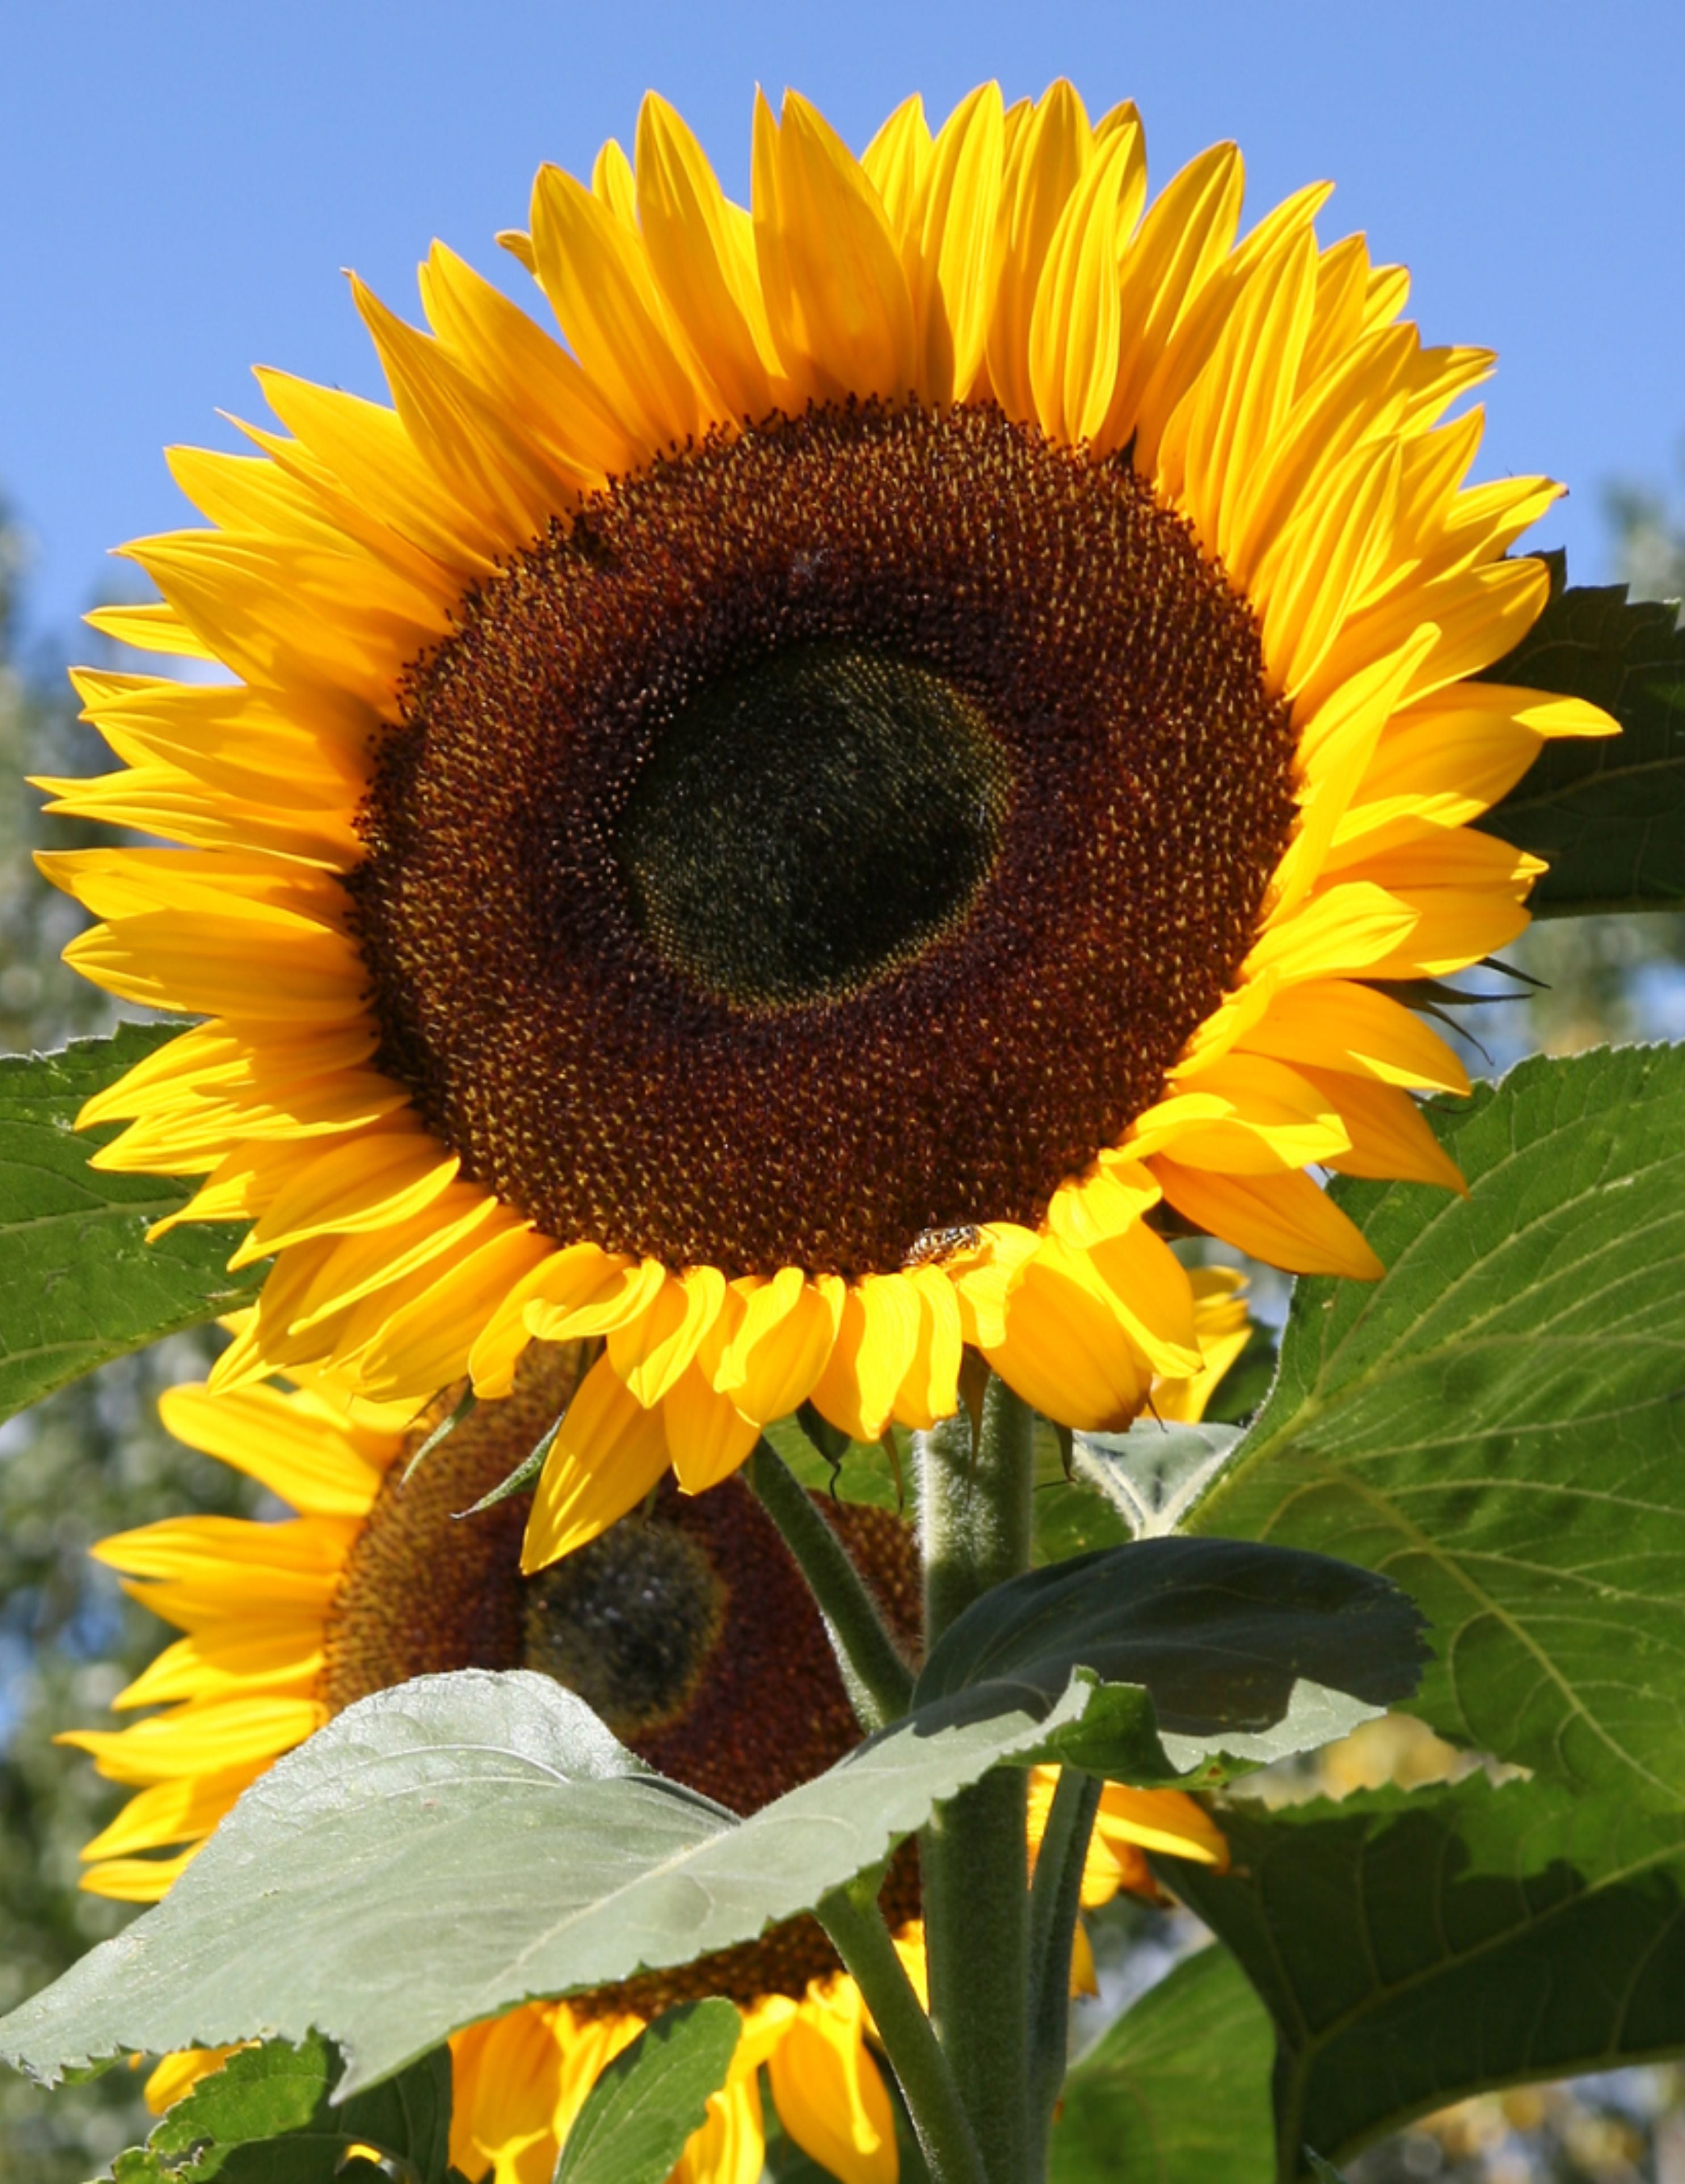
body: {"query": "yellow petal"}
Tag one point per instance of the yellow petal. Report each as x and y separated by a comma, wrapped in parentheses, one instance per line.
(1390, 1137)
(877, 1337)
(1047, 162)
(1180, 244)
(830, 2098)
(896, 162)
(558, 1281)
(231, 1662)
(836, 294)
(929, 1387)
(1065, 1350)
(1336, 1024)
(707, 1436)
(200, 1740)
(592, 268)
(379, 1180)
(953, 281)
(709, 287)
(291, 1444)
(611, 1294)
(608, 1453)
(414, 1339)
(650, 1352)
(731, 2147)
(1284, 1220)
(782, 1344)
(1074, 326)
(168, 1813)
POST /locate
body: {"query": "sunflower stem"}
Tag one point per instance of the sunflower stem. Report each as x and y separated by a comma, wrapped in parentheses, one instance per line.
(879, 1682)
(975, 1519)
(1055, 1898)
(852, 1917)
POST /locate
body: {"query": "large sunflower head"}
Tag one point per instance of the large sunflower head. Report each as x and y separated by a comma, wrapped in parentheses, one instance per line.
(687, 1628)
(799, 826)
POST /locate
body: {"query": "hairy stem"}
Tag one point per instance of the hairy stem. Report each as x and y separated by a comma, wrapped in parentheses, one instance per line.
(975, 1516)
(879, 1682)
(1055, 1898)
(852, 1917)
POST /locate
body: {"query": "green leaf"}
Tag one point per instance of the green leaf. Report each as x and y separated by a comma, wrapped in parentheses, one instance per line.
(1178, 2090)
(1499, 1424)
(1153, 1473)
(79, 1285)
(1323, 2171)
(637, 2115)
(861, 1473)
(451, 1847)
(1608, 813)
(1246, 1653)
(266, 2118)
(1414, 1947)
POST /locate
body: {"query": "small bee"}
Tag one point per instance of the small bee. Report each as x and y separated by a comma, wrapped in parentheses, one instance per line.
(931, 1245)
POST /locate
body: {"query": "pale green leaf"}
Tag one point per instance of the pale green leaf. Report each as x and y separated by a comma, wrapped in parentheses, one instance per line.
(446, 1849)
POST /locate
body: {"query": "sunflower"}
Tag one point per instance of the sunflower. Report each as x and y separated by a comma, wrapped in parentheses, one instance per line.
(809, 824)
(688, 1627)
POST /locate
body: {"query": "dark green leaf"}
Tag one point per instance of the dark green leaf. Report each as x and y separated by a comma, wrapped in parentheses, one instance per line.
(1178, 2091)
(449, 1848)
(1323, 2171)
(831, 1442)
(1415, 1947)
(637, 2115)
(1246, 1383)
(1246, 1653)
(79, 1285)
(1608, 813)
(1499, 1424)
(266, 2118)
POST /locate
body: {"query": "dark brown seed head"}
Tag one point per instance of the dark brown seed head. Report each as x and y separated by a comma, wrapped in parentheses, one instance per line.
(829, 838)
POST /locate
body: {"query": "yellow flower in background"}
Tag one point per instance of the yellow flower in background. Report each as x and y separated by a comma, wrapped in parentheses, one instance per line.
(787, 829)
(689, 1628)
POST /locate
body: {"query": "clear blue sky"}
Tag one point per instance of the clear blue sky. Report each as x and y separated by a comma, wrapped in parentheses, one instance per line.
(181, 182)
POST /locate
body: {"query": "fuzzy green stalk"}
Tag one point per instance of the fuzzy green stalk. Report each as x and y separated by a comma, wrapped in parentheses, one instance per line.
(1055, 1900)
(974, 1520)
(879, 1682)
(852, 1917)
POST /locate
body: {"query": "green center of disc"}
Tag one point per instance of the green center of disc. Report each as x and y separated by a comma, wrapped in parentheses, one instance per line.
(805, 827)
(627, 1622)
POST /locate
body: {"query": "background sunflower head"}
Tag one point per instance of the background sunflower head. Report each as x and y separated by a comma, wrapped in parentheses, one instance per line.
(689, 1628)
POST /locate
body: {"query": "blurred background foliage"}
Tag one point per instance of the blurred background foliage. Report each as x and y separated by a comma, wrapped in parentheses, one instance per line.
(93, 1460)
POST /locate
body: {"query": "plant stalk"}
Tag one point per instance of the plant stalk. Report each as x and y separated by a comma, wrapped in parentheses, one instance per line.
(1055, 1899)
(852, 1917)
(879, 1682)
(975, 1518)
